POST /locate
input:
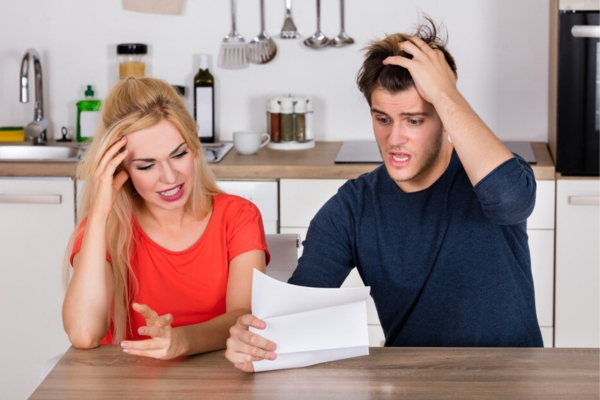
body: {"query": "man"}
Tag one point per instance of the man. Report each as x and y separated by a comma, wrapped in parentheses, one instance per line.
(438, 231)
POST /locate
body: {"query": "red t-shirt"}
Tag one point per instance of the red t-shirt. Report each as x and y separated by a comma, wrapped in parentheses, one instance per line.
(192, 284)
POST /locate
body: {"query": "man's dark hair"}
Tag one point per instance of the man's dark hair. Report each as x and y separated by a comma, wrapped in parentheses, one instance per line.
(393, 78)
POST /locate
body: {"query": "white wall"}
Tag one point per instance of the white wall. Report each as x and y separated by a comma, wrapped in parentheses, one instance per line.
(501, 48)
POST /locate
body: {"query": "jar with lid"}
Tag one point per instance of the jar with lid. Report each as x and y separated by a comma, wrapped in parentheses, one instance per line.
(274, 119)
(300, 120)
(310, 122)
(287, 119)
(132, 60)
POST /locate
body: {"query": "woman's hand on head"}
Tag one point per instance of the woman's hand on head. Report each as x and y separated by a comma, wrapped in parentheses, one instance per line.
(164, 343)
(108, 177)
(244, 347)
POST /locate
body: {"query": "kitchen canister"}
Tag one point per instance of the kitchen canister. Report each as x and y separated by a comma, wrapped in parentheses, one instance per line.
(132, 59)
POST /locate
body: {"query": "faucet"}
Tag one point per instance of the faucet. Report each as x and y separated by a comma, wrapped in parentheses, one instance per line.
(36, 129)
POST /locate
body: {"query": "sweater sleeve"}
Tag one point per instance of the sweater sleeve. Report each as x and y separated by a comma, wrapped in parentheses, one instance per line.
(327, 256)
(507, 194)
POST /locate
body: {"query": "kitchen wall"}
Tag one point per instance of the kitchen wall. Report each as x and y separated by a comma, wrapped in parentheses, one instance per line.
(501, 48)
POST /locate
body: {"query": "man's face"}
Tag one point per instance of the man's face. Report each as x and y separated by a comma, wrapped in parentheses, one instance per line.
(410, 134)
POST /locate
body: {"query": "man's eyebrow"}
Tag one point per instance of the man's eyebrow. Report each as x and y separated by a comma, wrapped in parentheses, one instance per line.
(153, 159)
(403, 114)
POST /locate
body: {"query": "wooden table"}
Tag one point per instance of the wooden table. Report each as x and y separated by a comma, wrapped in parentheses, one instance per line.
(108, 373)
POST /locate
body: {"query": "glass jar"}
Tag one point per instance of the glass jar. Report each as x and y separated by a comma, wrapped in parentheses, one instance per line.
(132, 60)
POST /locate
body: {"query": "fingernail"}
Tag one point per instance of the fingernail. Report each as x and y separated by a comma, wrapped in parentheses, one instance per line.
(142, 331)
(272, 356)
(124, 344)
(125, 351)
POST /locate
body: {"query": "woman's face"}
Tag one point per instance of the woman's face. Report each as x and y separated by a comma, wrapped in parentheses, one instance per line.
(161, 166)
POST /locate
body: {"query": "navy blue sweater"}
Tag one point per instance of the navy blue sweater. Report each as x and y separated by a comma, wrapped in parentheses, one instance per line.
(447, 266)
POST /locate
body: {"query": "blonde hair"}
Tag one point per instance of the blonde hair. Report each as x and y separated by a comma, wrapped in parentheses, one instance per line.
(135, 104)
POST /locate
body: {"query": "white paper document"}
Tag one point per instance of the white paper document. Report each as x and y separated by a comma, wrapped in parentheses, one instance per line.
(309, 325)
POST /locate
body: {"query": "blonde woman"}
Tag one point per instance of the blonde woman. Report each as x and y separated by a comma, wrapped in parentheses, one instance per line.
(162, 260)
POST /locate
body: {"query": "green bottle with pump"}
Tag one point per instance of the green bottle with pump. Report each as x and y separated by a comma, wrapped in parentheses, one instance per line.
(88, 115)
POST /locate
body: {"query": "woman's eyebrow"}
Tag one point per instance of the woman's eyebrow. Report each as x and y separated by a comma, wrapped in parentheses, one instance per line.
(153, 159)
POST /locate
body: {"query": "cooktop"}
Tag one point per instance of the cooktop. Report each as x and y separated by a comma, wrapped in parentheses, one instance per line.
(367, 152)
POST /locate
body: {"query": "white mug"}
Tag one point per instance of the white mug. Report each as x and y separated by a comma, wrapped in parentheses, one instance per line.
(247, 142)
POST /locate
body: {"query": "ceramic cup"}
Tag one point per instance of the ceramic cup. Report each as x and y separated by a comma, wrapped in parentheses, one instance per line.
(247, 142)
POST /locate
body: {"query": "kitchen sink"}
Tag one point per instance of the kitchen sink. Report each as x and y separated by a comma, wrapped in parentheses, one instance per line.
(48, 152)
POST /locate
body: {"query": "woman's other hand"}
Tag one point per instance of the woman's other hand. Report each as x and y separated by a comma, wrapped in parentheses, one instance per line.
(164, 342)
(244, 347)
(107, 181)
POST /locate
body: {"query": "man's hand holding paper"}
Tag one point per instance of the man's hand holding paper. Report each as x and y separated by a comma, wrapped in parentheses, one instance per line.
(308, 326)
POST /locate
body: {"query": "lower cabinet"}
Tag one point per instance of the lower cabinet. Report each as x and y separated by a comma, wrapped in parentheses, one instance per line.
(37, 217)
(300, 199)
(577, 263)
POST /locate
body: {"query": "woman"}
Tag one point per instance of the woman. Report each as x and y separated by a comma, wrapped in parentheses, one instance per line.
(162, 260)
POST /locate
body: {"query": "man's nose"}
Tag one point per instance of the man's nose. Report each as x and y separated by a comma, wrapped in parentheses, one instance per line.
(398, 135)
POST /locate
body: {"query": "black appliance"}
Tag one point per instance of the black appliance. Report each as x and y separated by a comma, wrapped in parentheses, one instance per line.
(578, 103)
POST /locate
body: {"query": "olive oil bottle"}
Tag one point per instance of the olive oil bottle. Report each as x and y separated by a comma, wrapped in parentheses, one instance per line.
(88, 115)
(204, 101)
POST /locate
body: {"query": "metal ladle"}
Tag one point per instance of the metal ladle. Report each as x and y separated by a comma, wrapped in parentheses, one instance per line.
(342, 39)
(318, 40)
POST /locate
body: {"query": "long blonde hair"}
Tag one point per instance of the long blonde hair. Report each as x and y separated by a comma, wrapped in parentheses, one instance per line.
(135, 104)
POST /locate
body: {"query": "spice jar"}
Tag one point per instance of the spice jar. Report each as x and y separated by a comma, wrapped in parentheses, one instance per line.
(132, 60)
(300, 120)
(287, 119)
(274, 120)
(310, 122)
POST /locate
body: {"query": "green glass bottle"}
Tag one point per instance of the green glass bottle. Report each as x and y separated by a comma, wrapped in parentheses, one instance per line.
(204, 101)
(88, 115)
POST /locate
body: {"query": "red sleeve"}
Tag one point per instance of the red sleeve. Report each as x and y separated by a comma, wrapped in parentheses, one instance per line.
(79, 240)
(245, 229)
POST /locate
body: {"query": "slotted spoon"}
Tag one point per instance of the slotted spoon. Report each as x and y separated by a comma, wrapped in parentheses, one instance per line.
(262, 48)
(234, 50)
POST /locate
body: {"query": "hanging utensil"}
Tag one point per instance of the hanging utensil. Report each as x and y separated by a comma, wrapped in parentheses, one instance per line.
(318, 40)
(342, 39)
(262, 48)
(289, 31)
(234, 51)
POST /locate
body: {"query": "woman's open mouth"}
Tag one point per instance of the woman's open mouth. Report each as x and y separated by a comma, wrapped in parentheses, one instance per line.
(172, 194)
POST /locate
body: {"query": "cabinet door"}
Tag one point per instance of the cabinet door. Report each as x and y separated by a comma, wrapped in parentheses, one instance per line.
(577, 264)
(37, 219)
(300, 199)
(262, 193)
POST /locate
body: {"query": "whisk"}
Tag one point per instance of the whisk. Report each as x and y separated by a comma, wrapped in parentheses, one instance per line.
(234, 52)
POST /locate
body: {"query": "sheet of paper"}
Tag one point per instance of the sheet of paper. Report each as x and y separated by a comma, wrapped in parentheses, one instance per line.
(309, 325)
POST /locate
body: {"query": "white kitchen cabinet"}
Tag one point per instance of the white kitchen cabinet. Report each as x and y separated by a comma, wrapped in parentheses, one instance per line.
(37, 217)
(540, 229)
(264, 194)
(300, 199)
(577, 263)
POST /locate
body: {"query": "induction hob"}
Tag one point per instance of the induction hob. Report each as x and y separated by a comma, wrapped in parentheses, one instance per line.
(367, 152)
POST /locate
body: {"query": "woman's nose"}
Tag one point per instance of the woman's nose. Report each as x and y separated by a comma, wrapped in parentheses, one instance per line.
(168, 173)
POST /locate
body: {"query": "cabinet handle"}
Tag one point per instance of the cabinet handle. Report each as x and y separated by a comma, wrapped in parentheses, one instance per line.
(584, 200)
(585, 31)
(30, 198)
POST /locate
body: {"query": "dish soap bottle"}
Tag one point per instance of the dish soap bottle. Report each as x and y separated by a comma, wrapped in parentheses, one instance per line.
(88, 115)
(204, 101)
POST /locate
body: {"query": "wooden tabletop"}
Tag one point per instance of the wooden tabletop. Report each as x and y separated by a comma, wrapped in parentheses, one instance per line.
(544, 373)
(316, 163)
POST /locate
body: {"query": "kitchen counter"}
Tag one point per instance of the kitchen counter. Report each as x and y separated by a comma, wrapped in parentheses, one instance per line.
(107, 373)
(316, 163)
